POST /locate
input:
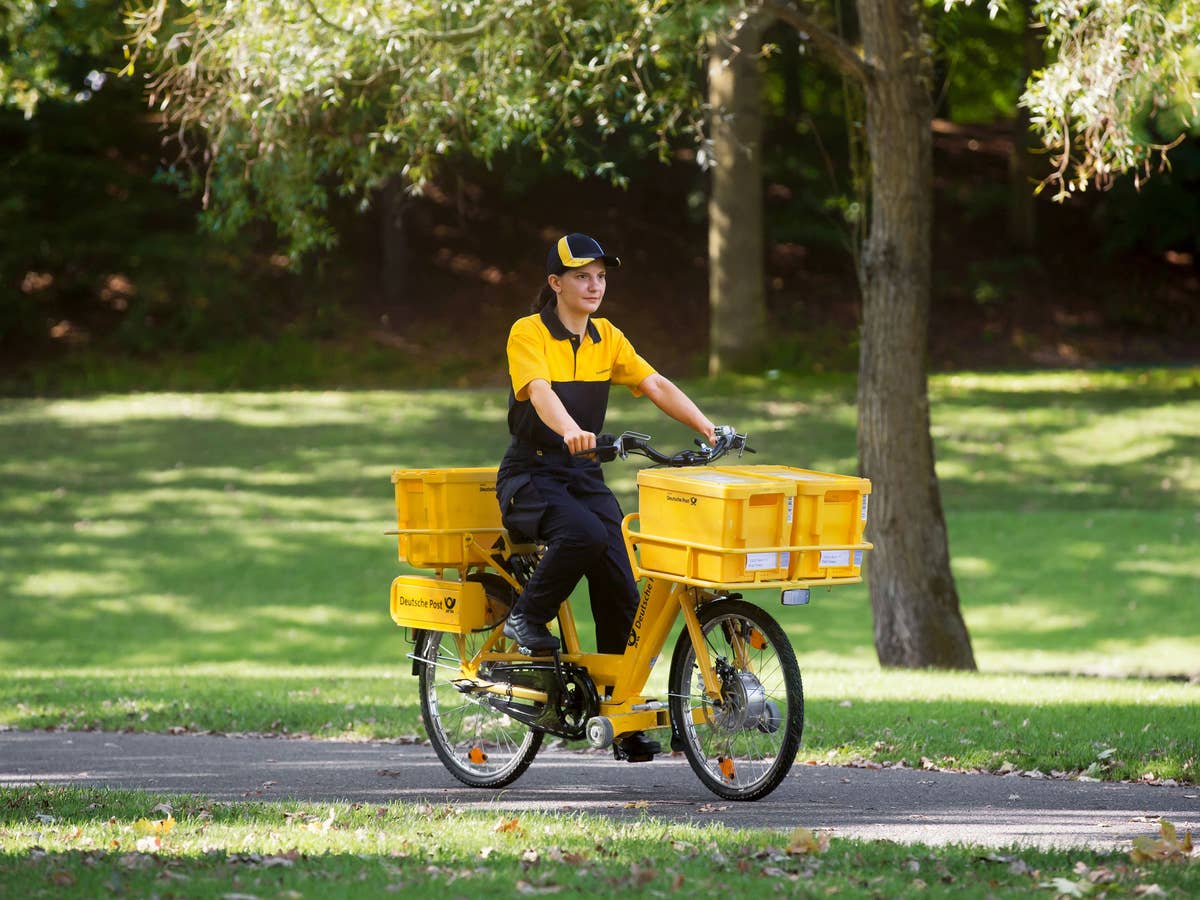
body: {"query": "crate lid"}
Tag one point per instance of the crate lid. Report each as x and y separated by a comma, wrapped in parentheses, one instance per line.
(469, 475)
(725, 483)
(806, 481)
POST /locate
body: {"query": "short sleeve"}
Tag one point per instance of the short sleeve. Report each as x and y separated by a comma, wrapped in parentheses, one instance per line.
(526, 357)
(628, 368)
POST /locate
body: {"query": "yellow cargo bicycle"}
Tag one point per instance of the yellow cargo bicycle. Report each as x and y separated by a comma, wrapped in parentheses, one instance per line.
(735, 701)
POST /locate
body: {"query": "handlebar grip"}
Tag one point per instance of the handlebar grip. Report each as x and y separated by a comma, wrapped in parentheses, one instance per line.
(605, 450)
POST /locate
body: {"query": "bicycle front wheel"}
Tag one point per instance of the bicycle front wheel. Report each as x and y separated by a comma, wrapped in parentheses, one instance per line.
(744, 746)
(479, 745)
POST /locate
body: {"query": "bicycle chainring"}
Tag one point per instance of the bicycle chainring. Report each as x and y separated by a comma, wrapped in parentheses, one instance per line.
(571, 699)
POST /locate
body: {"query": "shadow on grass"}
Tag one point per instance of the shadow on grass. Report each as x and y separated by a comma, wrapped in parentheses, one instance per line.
(175, 529)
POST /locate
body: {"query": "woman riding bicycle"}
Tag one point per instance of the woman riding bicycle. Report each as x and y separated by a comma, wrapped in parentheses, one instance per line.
(561, 362)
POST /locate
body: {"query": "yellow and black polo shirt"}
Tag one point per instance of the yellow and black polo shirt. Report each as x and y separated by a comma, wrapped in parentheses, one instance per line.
(579, 369)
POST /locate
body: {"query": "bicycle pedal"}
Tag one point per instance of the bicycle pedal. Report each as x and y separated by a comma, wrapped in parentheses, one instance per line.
(640, 749)
(625, 757)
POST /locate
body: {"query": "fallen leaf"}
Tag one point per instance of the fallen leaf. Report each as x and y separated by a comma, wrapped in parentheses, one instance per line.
(1148, 890)
(1168, 848)
(1065, 887)
(509, 826)
(803, 842)
(637, 804)
(157, 826)
(149, 843)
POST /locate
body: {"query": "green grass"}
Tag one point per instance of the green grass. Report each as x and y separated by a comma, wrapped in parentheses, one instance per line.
(57, 842)
(217, 562)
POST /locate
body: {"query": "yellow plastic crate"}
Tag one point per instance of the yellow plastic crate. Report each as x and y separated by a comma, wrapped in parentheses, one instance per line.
(454, 606)
(717, 513)
(828, 513)
(445, 505)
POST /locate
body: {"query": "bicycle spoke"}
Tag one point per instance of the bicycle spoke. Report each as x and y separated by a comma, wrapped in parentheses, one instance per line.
(743, 746)
(479, 744)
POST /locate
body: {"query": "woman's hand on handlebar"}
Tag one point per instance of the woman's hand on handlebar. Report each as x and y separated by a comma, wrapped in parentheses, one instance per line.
(579, 441)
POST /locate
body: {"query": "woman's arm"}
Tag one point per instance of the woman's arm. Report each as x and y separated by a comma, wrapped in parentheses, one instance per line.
(676, 404)
(551, 411)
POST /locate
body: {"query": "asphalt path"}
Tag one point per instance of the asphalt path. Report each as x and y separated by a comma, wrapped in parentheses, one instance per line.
(901, 805)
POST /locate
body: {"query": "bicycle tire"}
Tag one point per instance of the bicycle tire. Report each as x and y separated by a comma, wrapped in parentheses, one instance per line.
(744, 748)
(479, 745)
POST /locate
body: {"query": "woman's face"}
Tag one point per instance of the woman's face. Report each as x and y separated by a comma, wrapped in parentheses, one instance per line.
(580, 290)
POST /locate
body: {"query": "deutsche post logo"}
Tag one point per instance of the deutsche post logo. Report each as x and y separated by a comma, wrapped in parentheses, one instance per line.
(450, 603)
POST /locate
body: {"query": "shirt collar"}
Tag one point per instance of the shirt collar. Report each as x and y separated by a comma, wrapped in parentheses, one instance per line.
(558, 330)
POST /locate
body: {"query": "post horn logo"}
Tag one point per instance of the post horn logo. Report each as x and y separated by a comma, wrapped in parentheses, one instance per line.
(450, 603)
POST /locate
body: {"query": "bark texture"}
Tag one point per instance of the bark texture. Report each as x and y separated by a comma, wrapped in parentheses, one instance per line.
(737, 306)
(915, 603)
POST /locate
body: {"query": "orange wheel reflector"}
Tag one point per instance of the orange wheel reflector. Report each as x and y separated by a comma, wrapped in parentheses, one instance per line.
(726, 764)
(477, 756)
(758, 640)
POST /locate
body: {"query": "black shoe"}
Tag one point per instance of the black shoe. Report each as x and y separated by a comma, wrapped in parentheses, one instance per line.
(636, 747)
(531, 637)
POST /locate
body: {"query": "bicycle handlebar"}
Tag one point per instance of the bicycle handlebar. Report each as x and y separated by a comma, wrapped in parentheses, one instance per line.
(609, 447)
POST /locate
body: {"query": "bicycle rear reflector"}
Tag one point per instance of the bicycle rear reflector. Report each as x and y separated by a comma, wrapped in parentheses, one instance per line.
(795, 597)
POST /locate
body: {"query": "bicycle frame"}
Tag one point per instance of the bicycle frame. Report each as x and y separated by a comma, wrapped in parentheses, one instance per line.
(619, 677)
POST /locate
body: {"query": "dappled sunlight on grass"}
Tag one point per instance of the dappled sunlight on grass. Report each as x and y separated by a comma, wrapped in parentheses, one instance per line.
(220, 558)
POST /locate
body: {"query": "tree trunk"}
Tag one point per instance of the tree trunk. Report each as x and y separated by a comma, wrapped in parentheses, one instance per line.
(913, 597)
(738, 315)
(1022, 169)
(393, 243)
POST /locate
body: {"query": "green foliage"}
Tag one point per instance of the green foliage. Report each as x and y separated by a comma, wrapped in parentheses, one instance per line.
(297, 102)
(980, 60)
(38, 41)
(1118, 71)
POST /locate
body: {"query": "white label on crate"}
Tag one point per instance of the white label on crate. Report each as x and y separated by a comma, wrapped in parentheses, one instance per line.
(784, 559)
(719, 478)
(756, 562)
(830, 558)
(791, 505)
(858, 557)
(864, 509)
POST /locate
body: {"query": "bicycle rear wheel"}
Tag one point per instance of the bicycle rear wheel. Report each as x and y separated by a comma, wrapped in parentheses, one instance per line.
(742, 748)
(479, 745)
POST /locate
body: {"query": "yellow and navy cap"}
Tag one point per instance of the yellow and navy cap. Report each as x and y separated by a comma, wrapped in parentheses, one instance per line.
(574, 250)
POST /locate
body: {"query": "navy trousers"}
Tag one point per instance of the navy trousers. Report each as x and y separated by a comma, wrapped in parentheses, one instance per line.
(564, 503)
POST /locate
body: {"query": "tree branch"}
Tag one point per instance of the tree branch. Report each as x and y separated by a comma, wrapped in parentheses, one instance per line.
(453, 34)
(832, 47)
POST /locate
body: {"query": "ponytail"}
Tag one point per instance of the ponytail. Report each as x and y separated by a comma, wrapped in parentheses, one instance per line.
(545, 295)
